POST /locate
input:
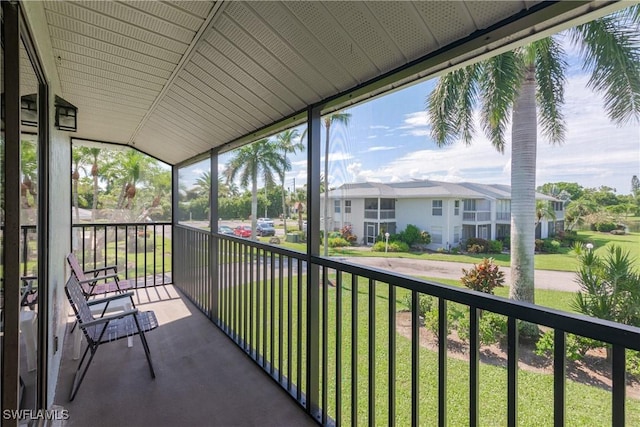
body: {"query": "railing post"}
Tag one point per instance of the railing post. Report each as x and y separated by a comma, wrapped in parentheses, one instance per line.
(213, 241)
(313, 271)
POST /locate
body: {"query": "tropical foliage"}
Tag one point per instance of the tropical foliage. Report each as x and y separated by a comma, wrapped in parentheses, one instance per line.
(524, 88)
(119, 185)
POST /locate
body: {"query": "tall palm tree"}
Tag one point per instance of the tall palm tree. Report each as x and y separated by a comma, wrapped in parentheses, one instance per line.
(260, 159)
(328, 120)
(287, 142)
(203, 184)
(510, 86)
(94, 153)
(77, 158)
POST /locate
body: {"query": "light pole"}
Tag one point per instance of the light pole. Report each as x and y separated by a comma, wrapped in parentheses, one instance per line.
(386, 242)
(589, 246)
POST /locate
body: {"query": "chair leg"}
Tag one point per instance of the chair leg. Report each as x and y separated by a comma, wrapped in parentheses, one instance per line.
(77, 381)
(147, 352)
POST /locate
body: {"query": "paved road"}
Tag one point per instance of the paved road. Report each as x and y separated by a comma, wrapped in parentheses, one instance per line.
(544, 279)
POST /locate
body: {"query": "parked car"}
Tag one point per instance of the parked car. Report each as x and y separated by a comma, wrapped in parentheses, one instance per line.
(225, 229)
(265, 230)
(242, 231)
(265, 221)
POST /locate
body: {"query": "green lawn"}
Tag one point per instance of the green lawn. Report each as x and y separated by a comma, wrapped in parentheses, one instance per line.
(563, 261)
(586, 405)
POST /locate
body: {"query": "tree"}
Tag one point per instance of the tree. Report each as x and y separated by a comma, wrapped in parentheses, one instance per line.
(635, 186)
(533, 76)
(286, 142)
(259, 159)
(328, 120)
(544, 210)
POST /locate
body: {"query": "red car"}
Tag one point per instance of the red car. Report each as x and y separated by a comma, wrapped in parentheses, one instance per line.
(242, 231)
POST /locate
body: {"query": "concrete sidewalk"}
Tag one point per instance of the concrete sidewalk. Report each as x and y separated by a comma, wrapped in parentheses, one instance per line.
(544, 279)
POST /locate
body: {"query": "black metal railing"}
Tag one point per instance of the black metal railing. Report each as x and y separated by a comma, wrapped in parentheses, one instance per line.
(339, 343)
(141, 251)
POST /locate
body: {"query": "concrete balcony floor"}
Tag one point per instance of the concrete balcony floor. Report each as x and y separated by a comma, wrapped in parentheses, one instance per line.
(202, 378)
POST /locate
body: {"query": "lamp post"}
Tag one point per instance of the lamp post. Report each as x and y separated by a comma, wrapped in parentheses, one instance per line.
(589, 246)
(386, 242)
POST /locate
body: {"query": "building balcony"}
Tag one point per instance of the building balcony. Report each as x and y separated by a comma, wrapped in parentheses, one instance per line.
(503, 216)
(476, 216)
(202, 378)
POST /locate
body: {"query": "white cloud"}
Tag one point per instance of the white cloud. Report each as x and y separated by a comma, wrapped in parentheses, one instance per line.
(338, 156)
(378, 127)
(381, 148)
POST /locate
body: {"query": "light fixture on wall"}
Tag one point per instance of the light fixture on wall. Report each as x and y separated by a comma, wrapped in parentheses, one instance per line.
(66, 115)
(29, 110)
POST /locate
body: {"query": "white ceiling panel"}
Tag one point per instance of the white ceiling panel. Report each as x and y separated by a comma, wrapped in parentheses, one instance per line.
(177, 78)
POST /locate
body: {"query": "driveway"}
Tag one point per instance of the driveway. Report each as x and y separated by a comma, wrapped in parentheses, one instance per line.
(544, 279)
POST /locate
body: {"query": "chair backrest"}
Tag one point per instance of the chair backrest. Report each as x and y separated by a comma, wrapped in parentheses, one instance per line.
(75, 266)
(80, 307)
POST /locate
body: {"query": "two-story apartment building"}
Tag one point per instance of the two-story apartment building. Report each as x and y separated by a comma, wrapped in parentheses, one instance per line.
(450, 212)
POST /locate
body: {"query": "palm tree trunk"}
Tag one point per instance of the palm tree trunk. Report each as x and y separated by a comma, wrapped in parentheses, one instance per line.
(75, 200)
(94, 207)
(284, 210)
(523, 178)
(325, 239)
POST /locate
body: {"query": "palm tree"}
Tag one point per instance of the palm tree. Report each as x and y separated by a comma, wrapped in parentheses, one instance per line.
(329, 119)
(77, 157)
(259, 159)
(533, 76)
(286, 144)
(131, 164)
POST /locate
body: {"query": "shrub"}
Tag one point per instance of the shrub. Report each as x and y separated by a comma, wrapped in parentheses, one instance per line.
(539, 243)
(495, 246)
(550, 246)
(337, 242)
(492, 327)
(484, 244)
(475, 249)
(608, 286)
(425, 303)
(455, 251)
(347, 234)
(605, 226)
(483, 277)
(577, 346)
(393, 247)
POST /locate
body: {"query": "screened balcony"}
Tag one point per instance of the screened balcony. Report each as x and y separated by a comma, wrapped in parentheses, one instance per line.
(244, 325)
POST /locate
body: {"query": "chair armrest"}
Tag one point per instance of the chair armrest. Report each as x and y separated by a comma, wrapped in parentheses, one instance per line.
(110, 298)
(106, 319)
(97, 270)
(95, 279)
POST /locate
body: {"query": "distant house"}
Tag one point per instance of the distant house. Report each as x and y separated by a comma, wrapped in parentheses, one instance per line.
(450, 212)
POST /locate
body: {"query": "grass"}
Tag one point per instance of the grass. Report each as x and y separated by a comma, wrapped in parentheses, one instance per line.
(565, 260)
(585, 404)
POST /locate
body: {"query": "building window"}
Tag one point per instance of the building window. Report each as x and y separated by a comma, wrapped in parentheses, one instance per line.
(456, 234)
(387, 204)
(469, 205)
(371, 204)
(456, 207)
(347, 206)
(436, 207)
(436, 235)
(336, 206)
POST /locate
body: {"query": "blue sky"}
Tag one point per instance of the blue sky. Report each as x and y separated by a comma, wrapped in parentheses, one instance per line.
(388, 140)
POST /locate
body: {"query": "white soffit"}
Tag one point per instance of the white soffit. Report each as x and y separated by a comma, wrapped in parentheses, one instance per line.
(179, 78)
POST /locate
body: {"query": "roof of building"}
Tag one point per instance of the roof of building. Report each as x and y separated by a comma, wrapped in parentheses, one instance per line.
(426, 189)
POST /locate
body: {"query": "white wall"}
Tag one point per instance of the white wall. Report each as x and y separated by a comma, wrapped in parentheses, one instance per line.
(59, 196)
(419, 212)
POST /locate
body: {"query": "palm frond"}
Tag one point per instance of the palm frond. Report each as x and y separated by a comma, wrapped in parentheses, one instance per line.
(500, 81)
(454, 92)
(610, 47)
(550, 77)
